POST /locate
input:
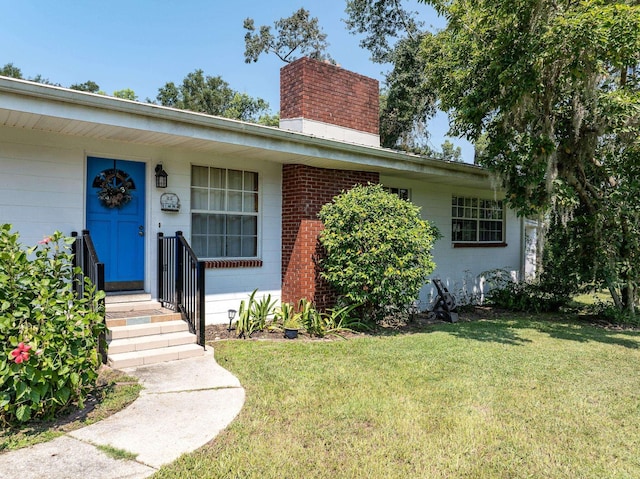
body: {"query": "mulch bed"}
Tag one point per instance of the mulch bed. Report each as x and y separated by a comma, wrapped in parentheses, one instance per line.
(393, 325)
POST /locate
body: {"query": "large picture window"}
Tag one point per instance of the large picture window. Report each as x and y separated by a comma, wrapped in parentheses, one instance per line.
(474, 220)
(224, 212)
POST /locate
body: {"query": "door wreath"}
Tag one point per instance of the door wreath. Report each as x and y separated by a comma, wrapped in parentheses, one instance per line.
(114, 188)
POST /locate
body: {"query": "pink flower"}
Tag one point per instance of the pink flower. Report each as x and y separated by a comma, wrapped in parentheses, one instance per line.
(21, 353)
(46, 240)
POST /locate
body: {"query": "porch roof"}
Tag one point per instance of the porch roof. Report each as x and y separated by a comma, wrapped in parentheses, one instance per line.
(34, 106)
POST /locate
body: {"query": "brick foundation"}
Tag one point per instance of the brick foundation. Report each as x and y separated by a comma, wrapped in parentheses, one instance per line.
(304, 191)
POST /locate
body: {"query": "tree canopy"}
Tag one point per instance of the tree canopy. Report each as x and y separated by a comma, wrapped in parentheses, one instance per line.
(88, 86)
(295, 36)
(550, 89)
(394, 34)
(554, 85)
(212, 95)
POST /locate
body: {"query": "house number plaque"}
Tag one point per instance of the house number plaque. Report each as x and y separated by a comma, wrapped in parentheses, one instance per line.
(169, 202)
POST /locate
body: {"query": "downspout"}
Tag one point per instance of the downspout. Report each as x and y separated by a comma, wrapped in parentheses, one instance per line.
(523, 249)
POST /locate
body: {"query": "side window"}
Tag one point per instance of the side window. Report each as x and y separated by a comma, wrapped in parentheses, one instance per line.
(475, 220)
(403, 193)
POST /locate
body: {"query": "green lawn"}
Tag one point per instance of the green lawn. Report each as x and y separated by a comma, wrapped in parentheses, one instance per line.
(485, 399)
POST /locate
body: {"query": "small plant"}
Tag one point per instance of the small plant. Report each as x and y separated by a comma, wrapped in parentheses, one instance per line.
(311, 320)
(253, 314)
(243, 327)
(340, 319)
(288, 317)
(261, 310)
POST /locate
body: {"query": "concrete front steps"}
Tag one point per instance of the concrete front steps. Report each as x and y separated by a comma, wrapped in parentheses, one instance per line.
(141, 332)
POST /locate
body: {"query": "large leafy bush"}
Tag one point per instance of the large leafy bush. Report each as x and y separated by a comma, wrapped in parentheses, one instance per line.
(378, 249)
(49, 356)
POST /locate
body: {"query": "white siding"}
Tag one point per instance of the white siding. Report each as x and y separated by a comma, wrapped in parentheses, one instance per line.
(42, 189)
(460, 268)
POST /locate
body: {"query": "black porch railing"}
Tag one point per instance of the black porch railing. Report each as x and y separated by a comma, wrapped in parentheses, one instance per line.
(86, 258)
(181, 281)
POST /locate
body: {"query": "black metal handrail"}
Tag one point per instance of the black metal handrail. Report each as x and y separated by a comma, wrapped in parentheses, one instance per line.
(181, 281)
(86, 258)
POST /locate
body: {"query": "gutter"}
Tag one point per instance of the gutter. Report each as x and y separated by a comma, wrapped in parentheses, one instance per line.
(342, 151)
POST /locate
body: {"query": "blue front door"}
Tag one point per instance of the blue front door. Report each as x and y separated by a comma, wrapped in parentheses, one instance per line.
(116, 219)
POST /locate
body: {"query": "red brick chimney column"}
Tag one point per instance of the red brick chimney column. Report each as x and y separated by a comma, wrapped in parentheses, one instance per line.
(320, 91)
(304, 191)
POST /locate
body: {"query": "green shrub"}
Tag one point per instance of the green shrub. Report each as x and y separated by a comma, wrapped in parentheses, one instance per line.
(609, 312)
(49, 338)
(534, 297)
(378, 249)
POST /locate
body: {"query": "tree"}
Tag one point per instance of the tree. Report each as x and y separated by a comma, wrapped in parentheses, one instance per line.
(10, 70)
(450, 152)
(126, 93)
(297, 35)
(212, 95)
(88, 86)
(394, 36)
(554, 86)
(378, 249)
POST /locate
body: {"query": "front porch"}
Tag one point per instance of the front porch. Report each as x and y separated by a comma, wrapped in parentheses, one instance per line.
(142, 330)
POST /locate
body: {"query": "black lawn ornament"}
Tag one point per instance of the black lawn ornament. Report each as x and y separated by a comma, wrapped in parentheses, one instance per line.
(443, 306)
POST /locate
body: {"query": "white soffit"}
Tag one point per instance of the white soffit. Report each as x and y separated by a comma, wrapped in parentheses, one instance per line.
(33, 106)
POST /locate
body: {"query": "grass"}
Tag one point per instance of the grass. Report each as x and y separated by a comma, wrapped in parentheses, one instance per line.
(515, 398)
(116, 453)
(114, 392)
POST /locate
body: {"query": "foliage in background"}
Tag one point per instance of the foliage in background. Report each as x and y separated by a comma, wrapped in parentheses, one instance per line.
(551, 92)
(394, 34)
(48, 337)
(10, 70)
(295, 36)
(211, 95)
(378, 249)
(555, 88)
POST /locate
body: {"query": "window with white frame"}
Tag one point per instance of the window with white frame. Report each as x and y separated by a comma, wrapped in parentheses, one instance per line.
(475, 220)
(403, 193)
(224, 212)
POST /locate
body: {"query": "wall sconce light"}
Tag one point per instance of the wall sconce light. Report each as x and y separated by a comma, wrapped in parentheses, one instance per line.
(161, 176)
(232, 314)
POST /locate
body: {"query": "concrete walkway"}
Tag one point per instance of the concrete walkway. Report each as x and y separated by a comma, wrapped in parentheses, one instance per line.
(184, 405)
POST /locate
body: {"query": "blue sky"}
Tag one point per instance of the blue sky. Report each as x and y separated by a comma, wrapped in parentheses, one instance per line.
(142, 44)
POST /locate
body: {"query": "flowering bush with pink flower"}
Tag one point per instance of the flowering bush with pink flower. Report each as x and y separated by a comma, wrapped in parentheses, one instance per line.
(49, 355)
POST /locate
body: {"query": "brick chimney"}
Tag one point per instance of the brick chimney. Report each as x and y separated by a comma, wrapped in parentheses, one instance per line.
(325, 100)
